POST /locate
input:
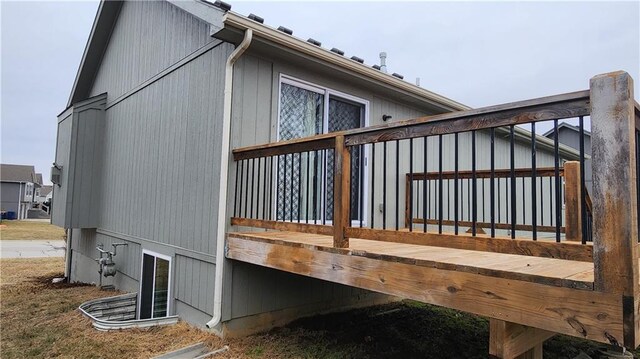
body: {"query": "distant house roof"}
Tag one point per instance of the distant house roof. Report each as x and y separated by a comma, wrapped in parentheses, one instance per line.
(17, 173)
(39, 178)
(45, 190)
(567, 126)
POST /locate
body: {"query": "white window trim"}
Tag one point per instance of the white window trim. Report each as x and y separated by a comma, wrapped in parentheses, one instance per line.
(169, 288)
(327, 92)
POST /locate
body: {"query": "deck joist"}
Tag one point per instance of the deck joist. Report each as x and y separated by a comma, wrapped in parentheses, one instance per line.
(547, 293)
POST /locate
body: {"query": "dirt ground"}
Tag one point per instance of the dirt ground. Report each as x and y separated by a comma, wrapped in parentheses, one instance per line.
(40, 320)
(29, 230)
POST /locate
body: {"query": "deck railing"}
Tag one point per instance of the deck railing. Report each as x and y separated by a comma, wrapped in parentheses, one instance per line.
(337, 182)
(354, 184)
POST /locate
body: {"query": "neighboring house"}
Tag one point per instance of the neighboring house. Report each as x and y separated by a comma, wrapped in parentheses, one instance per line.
(19, 186)
(141, 155)
(569, 135)
(44, 193)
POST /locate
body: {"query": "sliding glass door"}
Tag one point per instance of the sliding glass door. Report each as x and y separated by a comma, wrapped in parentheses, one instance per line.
(305, 181)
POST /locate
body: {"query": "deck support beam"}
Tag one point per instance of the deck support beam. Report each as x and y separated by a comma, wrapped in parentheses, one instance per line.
(509, 340)
(615, 222)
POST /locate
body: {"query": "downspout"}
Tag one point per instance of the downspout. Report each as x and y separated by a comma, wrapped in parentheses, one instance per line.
(224, 173)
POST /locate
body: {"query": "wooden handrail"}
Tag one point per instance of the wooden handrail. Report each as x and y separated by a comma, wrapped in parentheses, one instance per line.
(499, 173)
(315, 143)
(562, 106)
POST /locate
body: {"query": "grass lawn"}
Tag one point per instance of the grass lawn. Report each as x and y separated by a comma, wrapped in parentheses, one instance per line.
(29, 230)
(40, 320)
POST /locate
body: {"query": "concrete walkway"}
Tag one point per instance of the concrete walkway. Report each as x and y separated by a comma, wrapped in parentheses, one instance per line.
(31, 248)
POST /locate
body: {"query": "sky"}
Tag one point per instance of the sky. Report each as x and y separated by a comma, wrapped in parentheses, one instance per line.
(477, 53)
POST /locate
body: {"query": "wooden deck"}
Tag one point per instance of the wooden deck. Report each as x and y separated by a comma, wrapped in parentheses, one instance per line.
(546, 293)
(550, 271)
(585, 282)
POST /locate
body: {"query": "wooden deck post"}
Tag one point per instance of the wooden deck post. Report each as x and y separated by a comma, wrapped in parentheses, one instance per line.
(615, 237)
(573, 208)
(341, 193)
(509, 340)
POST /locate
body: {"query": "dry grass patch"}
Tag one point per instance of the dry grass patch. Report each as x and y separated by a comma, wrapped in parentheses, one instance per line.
(40, 320)
(29, 230)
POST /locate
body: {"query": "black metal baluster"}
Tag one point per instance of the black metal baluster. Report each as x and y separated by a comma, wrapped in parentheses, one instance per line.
(324, 187)
(455, 184)
(251, 178)
(299, 209)
(410, 204)
(492, 184)
(397, 183)
(243, 184)
(440, 211)
(384, 185)
(235, 192)
(361, 182)
(474, 183)
(373, 181)
(258, 189)
(534, 200)
(424, 184)
(316, 190)
(583, 186)
(558, 199)
(306, 204)
(513, 181)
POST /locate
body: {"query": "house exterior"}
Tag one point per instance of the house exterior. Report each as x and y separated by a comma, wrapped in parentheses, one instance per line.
(44, 194)
(20, 184)
(569, 135)
(163, 92)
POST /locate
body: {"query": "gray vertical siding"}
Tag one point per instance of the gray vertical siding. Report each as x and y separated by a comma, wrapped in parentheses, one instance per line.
(161, 151)
(195, 284)
(148, 37)
(63, 150)
(162, 157)
(10, 196)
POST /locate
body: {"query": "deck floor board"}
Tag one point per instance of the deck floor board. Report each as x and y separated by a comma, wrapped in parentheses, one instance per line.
(550, 271)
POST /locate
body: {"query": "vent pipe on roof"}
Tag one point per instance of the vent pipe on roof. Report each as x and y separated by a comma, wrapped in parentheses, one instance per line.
(383, 62)
(418, 81)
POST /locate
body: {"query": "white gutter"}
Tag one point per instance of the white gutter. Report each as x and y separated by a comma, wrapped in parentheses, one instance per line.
(224, 173)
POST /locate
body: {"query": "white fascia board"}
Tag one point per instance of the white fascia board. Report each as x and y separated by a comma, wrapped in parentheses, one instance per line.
(270, 34)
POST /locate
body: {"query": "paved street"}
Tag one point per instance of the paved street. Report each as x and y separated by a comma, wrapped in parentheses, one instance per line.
(31, 248)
